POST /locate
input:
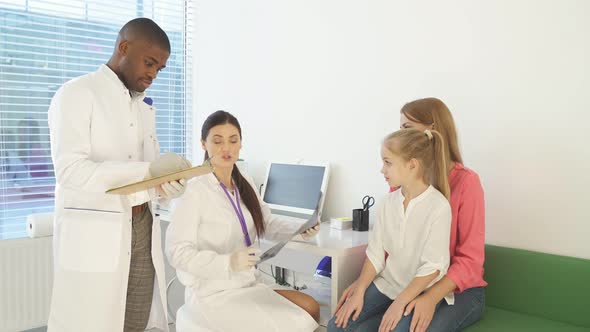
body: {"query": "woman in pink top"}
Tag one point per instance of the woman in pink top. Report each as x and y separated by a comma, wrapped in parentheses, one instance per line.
(465, 274)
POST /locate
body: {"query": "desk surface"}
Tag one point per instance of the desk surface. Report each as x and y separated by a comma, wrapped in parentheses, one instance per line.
(331, 241)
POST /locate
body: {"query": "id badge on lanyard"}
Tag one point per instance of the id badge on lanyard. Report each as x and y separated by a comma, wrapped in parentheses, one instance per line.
(238, 209)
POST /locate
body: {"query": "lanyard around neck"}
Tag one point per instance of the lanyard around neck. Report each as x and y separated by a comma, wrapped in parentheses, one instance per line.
(238, 209)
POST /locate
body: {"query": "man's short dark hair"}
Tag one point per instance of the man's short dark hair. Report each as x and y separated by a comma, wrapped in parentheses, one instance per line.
(144, 28)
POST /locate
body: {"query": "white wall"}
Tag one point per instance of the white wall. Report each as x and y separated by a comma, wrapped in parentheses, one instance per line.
(325, 79)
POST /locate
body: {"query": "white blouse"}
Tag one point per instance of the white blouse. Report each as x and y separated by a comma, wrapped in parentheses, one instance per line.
(413, 243)
(205, 231)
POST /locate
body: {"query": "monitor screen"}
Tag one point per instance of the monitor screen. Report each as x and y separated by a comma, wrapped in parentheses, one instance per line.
(294, 185)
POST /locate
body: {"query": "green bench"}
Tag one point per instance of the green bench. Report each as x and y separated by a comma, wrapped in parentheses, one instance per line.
(532, 291)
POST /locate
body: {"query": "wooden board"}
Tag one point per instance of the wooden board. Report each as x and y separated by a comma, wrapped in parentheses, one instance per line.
(153, 182)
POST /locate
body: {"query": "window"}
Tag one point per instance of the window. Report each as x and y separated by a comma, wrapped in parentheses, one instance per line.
(44, 43)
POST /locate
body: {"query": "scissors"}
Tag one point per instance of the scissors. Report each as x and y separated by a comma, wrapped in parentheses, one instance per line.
(368, 201)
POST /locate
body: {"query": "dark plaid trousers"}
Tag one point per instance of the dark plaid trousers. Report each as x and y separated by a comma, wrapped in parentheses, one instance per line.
(141, 273)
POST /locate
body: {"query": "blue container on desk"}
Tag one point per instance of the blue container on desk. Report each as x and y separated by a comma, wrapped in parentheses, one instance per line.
(324, 268)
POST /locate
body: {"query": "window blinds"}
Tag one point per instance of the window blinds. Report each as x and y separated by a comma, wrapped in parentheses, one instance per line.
(44, 43)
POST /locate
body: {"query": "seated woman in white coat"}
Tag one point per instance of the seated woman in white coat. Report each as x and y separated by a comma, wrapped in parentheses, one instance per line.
(210, 244)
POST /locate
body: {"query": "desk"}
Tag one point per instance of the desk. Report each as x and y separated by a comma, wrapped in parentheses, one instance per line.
(346, 247)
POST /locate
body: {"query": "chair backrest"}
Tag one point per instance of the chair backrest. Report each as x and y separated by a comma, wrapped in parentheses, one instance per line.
(175, 296)
(174, 289)
(540, 284)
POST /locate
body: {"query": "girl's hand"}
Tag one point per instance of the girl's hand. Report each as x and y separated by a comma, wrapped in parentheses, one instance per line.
(346, 294)
(392, 316)
(352, 304)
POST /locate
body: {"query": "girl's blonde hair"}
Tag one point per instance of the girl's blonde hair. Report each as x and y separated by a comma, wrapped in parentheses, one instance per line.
(433, 112)
(429, 148)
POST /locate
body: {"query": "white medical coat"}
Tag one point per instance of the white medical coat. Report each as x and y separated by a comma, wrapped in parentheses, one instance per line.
(101, 137)
(204, 232)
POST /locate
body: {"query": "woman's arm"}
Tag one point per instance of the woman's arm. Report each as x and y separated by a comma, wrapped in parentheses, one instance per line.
(181, 242)
(441, 289)
(466, 269)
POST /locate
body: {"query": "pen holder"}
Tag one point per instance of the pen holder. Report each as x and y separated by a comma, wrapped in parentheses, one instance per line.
(360, 220)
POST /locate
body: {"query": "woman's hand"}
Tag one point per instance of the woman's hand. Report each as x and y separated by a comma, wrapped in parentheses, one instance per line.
(244, 259)
(424, 307)
(311, 232)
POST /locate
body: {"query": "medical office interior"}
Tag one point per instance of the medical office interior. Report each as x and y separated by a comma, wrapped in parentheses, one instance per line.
(321, 82)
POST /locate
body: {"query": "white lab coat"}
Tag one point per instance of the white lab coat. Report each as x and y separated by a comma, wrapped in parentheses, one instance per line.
(96, 145)
(203, 233)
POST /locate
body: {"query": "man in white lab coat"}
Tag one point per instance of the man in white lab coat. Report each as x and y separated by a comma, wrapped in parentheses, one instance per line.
(109, 267)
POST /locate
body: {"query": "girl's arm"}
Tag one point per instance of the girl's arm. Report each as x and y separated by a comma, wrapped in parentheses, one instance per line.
(417, 286)
(352, 300)
(434, 262)
(374, 263)
(361, 284)
(367, 276)
(435, 255)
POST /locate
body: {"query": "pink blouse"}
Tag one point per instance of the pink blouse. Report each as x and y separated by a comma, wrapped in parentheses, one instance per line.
(467, 244)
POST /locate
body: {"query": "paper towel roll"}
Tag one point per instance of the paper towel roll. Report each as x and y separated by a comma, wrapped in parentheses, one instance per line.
(40, 224)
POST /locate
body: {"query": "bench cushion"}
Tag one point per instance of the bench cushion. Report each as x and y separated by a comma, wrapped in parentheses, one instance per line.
(499, 320)
(538, 284)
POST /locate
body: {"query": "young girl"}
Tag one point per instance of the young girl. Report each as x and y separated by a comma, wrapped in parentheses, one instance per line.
(409, 246)
(465, 274)
(209, 242)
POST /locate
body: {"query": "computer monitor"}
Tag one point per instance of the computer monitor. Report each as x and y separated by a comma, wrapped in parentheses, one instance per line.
(293, 189)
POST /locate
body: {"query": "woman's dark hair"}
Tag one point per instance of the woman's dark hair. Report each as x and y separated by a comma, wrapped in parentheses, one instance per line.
(246, 191)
